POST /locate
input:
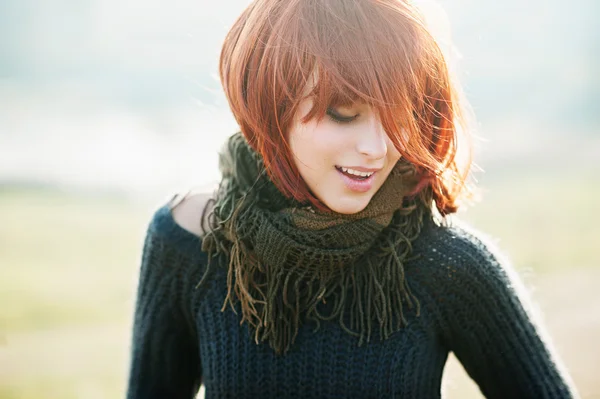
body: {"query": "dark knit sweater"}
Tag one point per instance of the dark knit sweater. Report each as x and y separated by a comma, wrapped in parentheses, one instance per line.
(469, 306)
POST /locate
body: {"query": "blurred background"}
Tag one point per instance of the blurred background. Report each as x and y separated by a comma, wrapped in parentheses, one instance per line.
(107, 108)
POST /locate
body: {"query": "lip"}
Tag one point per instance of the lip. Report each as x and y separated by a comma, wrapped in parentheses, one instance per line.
(361, 169)
(359, 186)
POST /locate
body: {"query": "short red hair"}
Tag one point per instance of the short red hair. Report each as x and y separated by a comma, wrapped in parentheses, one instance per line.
(378, 52)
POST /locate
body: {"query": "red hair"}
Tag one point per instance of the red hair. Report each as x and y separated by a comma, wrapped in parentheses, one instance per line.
(377, 52)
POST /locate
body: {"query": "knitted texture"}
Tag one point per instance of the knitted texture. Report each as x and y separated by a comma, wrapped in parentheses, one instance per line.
(286, 258)
(468, 306)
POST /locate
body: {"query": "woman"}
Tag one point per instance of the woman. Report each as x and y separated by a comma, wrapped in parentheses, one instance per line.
(326, 265)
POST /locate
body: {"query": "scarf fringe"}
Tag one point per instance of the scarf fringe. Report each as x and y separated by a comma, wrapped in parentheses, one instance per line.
(275, 298)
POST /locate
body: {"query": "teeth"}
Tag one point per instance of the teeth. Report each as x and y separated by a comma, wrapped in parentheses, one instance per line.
(356, 172)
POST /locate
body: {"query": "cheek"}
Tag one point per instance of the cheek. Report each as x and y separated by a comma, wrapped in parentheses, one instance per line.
(316, 145)
(393, 154)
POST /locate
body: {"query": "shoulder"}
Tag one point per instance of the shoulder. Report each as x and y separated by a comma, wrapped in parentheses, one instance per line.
(178, 223)
(458, 256)
(172, 257)
(463, 270)
(454, 239)
(190, 211)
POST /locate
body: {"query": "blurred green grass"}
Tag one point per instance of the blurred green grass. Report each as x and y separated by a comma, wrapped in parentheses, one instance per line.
(68, 276)
(70, 263)
(68, 258)
(543, 222)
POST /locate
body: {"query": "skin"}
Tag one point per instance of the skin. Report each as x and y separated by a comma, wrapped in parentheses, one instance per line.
(320, 146)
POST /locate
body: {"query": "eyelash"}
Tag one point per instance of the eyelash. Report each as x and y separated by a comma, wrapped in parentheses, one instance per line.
(339, 119)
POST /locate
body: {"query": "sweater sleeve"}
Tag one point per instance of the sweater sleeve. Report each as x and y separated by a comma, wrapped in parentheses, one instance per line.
(490, 326)
(165, 360)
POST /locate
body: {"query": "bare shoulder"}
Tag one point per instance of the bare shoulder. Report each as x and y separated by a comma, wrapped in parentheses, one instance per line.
(189, 211)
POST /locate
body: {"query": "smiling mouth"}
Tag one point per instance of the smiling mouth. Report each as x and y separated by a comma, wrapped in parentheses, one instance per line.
(354, 174)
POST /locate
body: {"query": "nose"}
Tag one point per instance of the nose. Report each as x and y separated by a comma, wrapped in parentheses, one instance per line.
(372, 140)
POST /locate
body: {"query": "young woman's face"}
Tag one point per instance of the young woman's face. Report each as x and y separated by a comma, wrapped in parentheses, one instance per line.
(345, 158)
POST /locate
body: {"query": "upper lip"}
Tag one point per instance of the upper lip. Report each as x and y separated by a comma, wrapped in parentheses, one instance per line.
(361, 169)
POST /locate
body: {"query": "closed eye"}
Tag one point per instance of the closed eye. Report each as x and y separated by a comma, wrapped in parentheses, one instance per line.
(337, 118)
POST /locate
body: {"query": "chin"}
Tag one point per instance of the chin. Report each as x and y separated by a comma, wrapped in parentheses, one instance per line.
(348, 206)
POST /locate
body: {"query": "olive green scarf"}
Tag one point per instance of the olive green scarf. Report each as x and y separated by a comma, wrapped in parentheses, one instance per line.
(287, 260)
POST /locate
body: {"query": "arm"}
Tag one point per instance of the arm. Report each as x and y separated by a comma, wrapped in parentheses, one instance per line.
(165, 359)
(491, 329)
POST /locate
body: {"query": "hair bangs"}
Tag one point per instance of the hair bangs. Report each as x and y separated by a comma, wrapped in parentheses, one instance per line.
(364, 52)
(338, 53)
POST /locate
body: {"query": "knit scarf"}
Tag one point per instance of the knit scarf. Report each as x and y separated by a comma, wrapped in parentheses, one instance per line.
(289, 263)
